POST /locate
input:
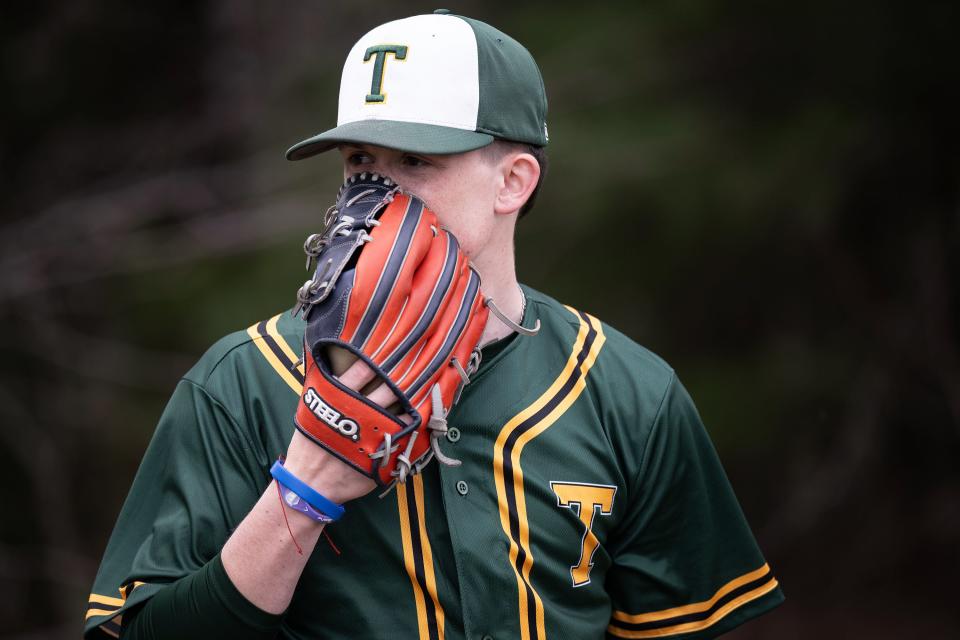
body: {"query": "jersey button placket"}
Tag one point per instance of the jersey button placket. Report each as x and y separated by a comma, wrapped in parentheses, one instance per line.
(453, 435)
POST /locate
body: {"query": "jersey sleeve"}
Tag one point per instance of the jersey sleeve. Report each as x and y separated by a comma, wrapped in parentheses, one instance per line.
(199, 477)
(685, 563)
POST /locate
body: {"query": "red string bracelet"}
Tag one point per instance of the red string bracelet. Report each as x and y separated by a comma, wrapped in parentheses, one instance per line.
(283, 510)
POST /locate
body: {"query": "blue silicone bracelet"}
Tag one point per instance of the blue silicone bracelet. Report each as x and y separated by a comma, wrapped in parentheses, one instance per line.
(324, 505)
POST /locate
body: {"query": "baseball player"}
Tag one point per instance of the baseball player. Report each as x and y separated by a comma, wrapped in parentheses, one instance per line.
(542, 476)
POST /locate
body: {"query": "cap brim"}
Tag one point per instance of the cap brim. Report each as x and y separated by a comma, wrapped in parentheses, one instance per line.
(405, 136)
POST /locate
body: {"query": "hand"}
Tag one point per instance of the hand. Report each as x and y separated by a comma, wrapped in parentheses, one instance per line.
(323, 471)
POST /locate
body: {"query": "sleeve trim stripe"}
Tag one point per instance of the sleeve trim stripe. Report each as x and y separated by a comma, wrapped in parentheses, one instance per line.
(99, 605)
(696, 607)
(696, 626)
(97, 602)
(96, 598)
(695, 621)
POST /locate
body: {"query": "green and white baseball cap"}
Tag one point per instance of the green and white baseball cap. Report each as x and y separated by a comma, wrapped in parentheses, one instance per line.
(436, 83)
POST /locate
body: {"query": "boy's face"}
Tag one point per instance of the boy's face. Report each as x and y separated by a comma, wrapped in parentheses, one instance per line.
(460, 188)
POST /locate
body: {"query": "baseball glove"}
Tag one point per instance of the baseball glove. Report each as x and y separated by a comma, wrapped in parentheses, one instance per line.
(392, 288)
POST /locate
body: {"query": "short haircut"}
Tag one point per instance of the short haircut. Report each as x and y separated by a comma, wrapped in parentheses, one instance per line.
(499, 148)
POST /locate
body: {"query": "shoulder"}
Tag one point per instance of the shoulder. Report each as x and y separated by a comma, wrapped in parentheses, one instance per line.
(619, 361)
(626, 384)
(264, 359)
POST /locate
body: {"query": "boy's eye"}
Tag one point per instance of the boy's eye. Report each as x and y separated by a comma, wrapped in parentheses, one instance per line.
(414, 161)
(358, 158)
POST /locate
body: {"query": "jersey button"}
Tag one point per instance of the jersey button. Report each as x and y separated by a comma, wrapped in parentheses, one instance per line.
(453, 434)
(462, 488)
(487, 638)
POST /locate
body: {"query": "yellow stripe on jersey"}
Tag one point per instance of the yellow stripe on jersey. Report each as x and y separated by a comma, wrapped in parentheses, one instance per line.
(127, 589)
(418, 560)
(728, 598)
(100, 605)
(410, 561)
(97, 602)
(99, 612)
(508, 474)
(427, 556)
(273, 333)
(265, 341)
(96, 598)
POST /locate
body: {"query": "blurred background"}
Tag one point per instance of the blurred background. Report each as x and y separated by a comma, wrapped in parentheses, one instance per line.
(765, 194)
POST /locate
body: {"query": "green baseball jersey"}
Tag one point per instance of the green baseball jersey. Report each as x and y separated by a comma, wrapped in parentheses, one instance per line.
(590, 502)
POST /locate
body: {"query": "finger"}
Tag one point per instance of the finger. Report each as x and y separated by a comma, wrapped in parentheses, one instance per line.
(382, 395)
(357, 375)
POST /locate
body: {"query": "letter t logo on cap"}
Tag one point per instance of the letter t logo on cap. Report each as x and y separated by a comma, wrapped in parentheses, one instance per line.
(399, 52)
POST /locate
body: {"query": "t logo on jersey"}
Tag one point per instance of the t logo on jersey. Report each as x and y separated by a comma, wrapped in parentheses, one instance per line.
(379, 53)
(586, 500)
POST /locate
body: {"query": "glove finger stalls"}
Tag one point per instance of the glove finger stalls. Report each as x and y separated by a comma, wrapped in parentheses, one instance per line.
(408, 358)
(441, 343)
(447, 376)
(384, 271)
(433, 285)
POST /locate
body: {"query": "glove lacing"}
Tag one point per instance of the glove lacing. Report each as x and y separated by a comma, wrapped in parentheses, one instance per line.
(436, 427)
(513, 326)
(315, 243)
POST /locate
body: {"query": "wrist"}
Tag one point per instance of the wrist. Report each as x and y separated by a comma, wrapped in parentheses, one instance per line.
(300, 496)
(324, 472)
